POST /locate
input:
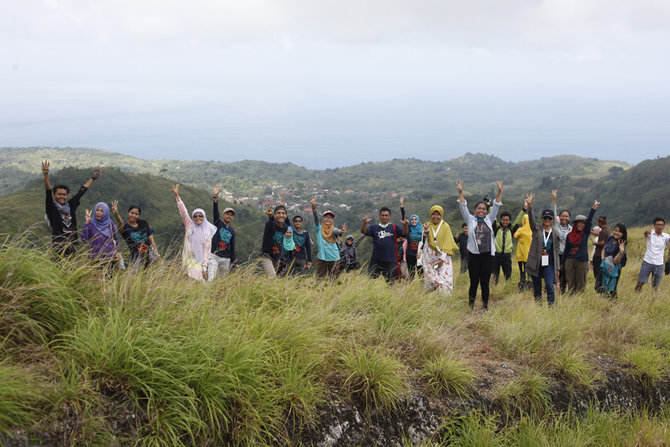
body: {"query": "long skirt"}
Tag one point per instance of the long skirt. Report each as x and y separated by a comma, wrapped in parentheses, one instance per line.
(441, 278)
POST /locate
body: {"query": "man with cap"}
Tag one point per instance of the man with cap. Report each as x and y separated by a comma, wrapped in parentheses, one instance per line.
(384, 243)
(575, 259)
(349, 253)
(543, 257)
(328, 250)
(222, 256)
(603, 235)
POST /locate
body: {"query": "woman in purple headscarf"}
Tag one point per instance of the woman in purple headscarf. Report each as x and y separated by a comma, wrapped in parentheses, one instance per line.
(100, 232)
(197, 239)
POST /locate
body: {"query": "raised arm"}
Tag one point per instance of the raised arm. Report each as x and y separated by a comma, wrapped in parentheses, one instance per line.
(359, 240)
(316, 217)
(556, 224)
(364, 224)
(459, 188)
(402, 208)
(462, 203)
(529, 207)
(500, 190)
(94, 177)
(45, 171)
(182, 208)
(115, 210)
(215, 207)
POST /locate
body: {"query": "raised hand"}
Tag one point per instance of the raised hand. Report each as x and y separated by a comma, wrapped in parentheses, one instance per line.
(596, 204)
(459, 186)
(313, 202)
(500, 186)
(216, 191)
(115, 206)
(344, 228)
(402, 201)
(367, 219)
(405, 221)
(529, 199)
(175, 190)
(553, 194)
(96, 173)
(87, 216)
(45, 167)
(268, 210)
(622, 246)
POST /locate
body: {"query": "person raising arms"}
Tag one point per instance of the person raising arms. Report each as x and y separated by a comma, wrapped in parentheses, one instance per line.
(100, 232)
(481, 242)
(222, 256)
(61, 212)
(575, 258)
(328, 250)
(273, 239)
(198, 234)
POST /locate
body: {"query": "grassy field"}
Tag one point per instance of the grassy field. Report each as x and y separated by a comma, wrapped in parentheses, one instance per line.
(154, 359)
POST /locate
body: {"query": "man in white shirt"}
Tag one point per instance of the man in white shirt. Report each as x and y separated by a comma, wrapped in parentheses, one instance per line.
(657, 242)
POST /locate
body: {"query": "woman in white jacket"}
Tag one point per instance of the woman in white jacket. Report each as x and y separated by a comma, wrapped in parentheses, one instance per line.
(481, 242)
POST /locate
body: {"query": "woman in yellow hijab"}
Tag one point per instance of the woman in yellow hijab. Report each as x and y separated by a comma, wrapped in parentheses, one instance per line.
(525, 237)
(438, 271)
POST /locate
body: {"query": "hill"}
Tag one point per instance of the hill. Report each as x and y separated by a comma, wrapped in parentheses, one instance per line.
(24, 209)
(251, 178)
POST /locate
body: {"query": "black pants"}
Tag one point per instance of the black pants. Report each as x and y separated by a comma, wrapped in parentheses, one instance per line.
(522, 271)
(562, 279)
(387, 269)
(479, 269)
(504, 261)
(411, 266)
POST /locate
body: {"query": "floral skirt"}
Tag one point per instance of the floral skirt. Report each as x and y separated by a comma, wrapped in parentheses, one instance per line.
(442, 278)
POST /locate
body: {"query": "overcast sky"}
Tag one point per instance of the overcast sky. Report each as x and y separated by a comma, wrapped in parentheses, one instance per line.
(338, 82)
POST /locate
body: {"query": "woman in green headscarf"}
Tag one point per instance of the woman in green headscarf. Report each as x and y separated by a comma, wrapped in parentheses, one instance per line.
(436, 258)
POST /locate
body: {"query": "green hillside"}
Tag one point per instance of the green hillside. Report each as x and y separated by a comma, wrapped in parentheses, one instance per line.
(403, 176)
(24, 209)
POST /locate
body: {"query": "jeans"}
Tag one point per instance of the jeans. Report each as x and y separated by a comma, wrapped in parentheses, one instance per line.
(546, 273)
(214, 264)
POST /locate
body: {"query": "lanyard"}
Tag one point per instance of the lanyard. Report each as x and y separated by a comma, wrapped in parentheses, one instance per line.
(545, 237)
(435, 236)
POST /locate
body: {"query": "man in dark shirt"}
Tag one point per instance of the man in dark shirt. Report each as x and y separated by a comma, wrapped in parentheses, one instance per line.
(384, 244)
(462, 241)
(61, 213)
(223, 242)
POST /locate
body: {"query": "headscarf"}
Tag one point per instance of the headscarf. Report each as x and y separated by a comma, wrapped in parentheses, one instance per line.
(444, 238)
(199, 234)
(327, 231)
(289, 243)
(525, 236)
(104, 224)
(418, 228)
(575, 236)
(65, 213)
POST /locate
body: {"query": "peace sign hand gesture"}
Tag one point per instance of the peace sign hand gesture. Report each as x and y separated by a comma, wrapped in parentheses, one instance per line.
(87, 216)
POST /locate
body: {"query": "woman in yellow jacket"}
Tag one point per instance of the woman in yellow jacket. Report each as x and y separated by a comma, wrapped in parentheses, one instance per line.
(525, 237)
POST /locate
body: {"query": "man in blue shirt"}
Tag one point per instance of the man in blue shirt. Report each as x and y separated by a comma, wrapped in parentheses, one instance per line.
(384, 244)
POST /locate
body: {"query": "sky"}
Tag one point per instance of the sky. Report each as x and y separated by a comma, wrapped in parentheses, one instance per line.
(338, 82)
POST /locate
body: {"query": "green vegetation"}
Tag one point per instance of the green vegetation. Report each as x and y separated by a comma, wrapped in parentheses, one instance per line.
(153, 358)
(25, 209)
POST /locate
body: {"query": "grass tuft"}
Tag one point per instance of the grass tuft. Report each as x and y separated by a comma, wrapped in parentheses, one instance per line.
(448, 375)
(375, 379)
(528, 393)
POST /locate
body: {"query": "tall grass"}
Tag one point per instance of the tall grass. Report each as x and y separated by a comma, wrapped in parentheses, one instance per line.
(248, 360)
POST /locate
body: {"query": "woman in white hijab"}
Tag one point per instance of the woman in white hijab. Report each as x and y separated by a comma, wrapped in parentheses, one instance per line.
(197, 239)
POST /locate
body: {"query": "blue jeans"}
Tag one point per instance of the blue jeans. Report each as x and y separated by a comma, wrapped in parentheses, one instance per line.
(548, 274)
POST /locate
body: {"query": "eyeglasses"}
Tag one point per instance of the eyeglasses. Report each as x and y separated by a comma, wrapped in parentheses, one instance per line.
(196, 216)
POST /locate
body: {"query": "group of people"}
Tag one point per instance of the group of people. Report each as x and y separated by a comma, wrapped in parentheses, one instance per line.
(554, 251)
